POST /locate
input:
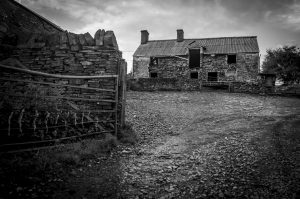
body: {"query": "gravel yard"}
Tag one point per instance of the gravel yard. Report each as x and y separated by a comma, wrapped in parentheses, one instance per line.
(191, 145)
(199, 145)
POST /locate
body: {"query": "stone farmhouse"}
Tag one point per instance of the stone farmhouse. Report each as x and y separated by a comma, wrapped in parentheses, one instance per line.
(207, 59)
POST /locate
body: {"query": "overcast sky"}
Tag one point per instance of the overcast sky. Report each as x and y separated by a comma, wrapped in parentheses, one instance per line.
(275, 22)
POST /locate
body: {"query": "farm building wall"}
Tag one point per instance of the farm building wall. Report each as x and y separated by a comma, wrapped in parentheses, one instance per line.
(141, 67)
(171, 67)
(246, 67)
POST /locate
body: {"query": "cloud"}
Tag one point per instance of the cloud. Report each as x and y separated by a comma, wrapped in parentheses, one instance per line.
(271, 20)
(284, 13)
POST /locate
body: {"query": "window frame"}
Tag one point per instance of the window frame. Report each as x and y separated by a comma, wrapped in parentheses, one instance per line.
(153, 61)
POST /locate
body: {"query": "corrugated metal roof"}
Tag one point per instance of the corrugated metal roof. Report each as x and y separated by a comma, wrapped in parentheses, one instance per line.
(222, 45)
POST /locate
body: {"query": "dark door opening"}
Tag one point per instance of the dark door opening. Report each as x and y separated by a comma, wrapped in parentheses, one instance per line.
(212, 76)
(194, 58)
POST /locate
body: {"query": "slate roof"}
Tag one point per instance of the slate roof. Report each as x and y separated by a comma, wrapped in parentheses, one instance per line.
(221, 45)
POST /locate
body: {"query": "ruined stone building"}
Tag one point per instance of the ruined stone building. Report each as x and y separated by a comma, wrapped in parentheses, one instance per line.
(207, 59)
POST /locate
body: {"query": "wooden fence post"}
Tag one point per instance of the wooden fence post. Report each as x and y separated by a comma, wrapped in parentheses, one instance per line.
(123, 91)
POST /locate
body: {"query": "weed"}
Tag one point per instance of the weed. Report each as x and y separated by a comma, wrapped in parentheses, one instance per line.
(127, 135)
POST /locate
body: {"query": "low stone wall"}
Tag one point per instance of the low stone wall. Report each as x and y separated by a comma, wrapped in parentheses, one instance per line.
(178, 84)
(251, 87)
(160, 84)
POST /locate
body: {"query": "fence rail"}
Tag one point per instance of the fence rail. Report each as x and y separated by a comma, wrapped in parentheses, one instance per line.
(35, 111)
(32, 72)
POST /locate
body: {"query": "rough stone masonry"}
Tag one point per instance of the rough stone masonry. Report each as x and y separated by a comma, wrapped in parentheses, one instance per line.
(30, 41)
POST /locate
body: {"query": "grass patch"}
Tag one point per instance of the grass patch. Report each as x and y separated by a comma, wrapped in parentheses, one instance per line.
(33, 170)
(76, 153)
(127, 135)
(48, 159)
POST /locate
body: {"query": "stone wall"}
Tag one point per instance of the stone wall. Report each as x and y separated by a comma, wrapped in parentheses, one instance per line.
(163, 84)
(251, 87)
(64, 54)
(175, 84)
(245, 69)
(218, 63)
(62, 41)
(171, 67)
(248, 67)
(140, 67)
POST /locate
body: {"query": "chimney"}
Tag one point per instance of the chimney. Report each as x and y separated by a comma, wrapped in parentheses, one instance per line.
(180, 35)
(144, 36)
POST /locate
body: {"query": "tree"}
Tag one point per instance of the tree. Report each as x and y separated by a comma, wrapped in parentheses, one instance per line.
(284, 62)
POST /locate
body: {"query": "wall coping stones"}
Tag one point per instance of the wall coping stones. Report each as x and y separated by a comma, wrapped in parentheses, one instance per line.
(110, 40)
(99, 37)
(89, 39)
(65, 40)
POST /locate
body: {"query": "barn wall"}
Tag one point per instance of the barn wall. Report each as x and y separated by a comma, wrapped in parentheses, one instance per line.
(171, 67)
(140, 67)
(246, 68)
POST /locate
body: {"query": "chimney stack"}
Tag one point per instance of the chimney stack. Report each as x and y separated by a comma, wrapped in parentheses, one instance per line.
(144, 36)
(180, 36)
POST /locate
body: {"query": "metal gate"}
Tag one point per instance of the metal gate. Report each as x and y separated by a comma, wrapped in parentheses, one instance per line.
(38, 109)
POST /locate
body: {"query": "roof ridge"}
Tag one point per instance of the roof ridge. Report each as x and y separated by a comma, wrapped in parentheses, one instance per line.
(205, 38)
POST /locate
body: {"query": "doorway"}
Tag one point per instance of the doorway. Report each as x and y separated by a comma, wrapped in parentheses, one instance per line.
(194, 58)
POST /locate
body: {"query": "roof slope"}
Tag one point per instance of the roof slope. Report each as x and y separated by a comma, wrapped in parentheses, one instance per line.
(222, 45)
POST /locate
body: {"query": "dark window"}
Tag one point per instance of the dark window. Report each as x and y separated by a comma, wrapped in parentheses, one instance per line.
(194, 58)
(194, 75)
(153, 61)
(231, 59)
(153, 75)
(212, 76)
